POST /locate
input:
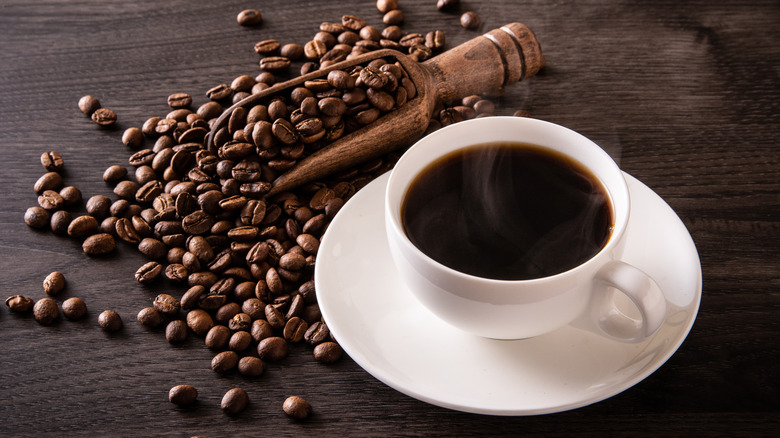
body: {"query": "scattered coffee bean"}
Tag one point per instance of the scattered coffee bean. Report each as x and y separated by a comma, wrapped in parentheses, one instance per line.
(327, 352)
(36, 217)
(251, 366)
(99, 244)
(272, 349)
(179, 100)
(176, 331)
(104, 117)
(385, 6)
(394, 17)
(48, 181)
(19, 303)
(249, 17)
(296, 407)
(240, 341)
(88, 105)
(199, 321)
(52, 161)
(60, 220)
(50, 200)
(447, 5)
(166, 304)
(46, 311)
(133, 138)
(71, 196)
(234, 401)
(110, 321)
(183, 395)
(150, 317)
(54, 283)
(470, 20)
(74, 308)
(217, 337)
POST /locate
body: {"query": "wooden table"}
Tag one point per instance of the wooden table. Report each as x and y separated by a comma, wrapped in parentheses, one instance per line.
(683, 94)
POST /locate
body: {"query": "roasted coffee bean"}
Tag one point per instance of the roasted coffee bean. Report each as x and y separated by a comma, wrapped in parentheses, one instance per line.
(199, 321)
(88, 105)
(166, 304)
(114, 174)
(328, 352)
(45, 311)
(82, 226)
(150, 317)
(275, 64)
(146, 193)
(198, 222)
(447, 5)
(251, 366)
(74, 308)
(284, 131)
(217, 337)
(421, 52)
(411, 40)
(393, 17)
(104, 117)
(176, 272)
(99, 206)
(190, 298)
(296, 407)
(149, 272)
(267, 47)
(272, 349)
(234, 401)
(240, 341)
(48, 181)
(125, 231)
(179, 100)
(224, 361)
(19, 303)
(152, 248)
(381, 100)
(54, 283)
(133, 137)
(294, 329)
(36, 217)
(274, 317)
(470, 20)
(385, 6)
(110, 321)
(317, 333)
(261, 330)
(309, 243)
(225, 313)
(314, 49)
(219, 92)
(52, 161)
(352, 22)
(183, 395)
(60, 220)
(108, 225)
(176, 331)
(292, 51)
(249, 17)
(240, 322)
(141, 158)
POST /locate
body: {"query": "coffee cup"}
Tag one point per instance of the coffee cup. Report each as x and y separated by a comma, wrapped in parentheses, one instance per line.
(516, 287)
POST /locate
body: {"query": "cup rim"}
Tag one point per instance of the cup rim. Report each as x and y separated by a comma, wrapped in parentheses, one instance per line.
(392, 212)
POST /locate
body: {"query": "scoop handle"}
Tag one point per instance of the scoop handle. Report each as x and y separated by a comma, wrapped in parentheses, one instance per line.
(486, 64)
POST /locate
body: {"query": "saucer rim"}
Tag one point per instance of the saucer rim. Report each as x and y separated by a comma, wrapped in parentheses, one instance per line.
(385, 377)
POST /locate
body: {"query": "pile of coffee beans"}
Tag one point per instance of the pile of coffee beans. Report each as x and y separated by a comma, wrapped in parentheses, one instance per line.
(199, 213)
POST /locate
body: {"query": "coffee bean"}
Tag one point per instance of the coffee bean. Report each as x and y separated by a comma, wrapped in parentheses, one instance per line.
(50, 200)
(327, 352)
(297, 408)
(124, 230)
(234, 401)
(99, 244)
(317, 333)
(179, 100)
(275, 64)
(133, 137)
(74, 308)
(150, 317)
(114, 174)
(240, 341)
(46, 311)
(88, 105)
(251, 366)
(292, 51)
(110, 321)
(104, 117)
(295, 329)
(82, 226)
(314, 49)
(48, 181)
(36, 217)
(249, 17)
(217, 337)
(19, 303)
(470, 20)
(272, 349)
(54, 283)
(176, 272)
(224, 361)
(183, 395)
(71, 196)
(52, 161)
(393, 17)
(176, 331)
(240, 322)
(166, 304)
(199, 321)
(226, 312)
(149, 272)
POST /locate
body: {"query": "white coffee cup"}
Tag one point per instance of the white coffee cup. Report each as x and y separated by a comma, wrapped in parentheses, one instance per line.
(584, 296)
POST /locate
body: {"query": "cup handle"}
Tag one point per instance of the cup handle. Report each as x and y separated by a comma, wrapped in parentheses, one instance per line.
(643, 292)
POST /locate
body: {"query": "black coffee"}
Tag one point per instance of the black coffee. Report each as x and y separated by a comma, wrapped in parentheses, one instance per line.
(507, 211)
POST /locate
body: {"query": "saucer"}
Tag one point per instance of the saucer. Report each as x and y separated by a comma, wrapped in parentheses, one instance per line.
(386, 331)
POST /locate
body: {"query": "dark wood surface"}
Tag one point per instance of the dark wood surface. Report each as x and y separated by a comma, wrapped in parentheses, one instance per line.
(683, 94)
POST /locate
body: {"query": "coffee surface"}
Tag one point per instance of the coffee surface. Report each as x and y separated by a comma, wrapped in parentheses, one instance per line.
(507, 211)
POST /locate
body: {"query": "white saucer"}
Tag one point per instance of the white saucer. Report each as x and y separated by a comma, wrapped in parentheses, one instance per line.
(387, 332)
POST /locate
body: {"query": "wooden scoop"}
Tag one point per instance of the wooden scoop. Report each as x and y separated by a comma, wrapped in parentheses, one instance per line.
(485, 64)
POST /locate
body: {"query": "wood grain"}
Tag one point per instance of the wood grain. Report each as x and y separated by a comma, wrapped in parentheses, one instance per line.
(684, 94)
